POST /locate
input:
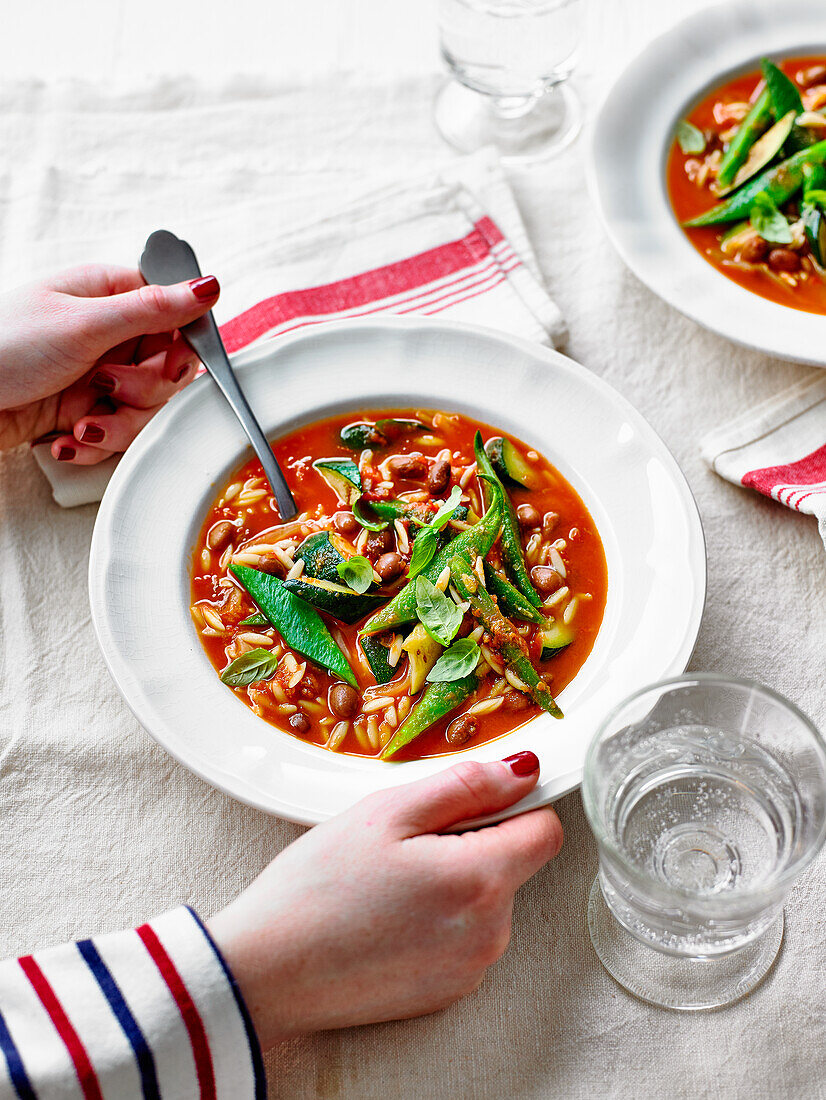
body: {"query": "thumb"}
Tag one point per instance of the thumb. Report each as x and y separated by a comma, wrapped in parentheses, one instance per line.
(117, 317)
(468, 790)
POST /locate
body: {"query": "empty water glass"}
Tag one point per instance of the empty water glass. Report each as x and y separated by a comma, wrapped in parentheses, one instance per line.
(707, 798)
(509, 61)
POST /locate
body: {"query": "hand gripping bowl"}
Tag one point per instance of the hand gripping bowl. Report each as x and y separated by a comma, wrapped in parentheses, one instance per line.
(139, 574)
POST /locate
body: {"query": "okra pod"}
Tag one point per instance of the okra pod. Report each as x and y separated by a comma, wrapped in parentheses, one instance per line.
(752, 126)
(436, 701)
(475, 541)
(416, 513)
(511, 600)
(512, 556)
(506, 640)
(400, 509)
(779, 182)
(298, 623)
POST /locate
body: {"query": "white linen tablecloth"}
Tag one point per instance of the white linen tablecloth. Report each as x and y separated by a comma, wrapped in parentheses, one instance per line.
(102, 829)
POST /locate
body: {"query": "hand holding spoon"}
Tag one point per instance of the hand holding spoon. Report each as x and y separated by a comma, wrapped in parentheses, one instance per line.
(166, 259)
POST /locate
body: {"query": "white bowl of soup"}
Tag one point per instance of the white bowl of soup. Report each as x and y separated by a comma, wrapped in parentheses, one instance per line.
(709, 178)
(300, 665)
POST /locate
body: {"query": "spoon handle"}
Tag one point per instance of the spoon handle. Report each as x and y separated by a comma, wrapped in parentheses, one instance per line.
(166, 259)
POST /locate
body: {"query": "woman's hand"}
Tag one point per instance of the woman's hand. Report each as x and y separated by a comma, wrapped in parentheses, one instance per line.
(89, 356)
(376, 914)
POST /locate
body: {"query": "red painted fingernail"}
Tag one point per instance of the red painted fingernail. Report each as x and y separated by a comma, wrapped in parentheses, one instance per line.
(523, 763)
(66, 454)
(91, 433)
(103, 381)
(205, 288)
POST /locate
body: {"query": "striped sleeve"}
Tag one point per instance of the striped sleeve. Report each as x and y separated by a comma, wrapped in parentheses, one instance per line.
(151, 1014)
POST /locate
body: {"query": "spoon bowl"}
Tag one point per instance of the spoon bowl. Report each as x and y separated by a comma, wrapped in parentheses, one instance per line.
(166, 260)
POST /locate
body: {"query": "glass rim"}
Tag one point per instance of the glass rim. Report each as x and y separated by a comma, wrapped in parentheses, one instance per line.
(494, 7)
(594, 816)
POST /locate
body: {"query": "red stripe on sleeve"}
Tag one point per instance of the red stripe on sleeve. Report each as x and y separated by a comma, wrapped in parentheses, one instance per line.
(186, 1006)
(76, 1050)
(806, 471)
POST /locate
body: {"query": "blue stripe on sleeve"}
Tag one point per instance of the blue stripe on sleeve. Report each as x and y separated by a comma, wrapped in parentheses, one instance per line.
(17, 1071)
(130, 1026)
(252, 1038)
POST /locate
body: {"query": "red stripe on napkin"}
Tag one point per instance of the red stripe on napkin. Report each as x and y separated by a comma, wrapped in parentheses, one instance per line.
(364, 289)
(792, 482)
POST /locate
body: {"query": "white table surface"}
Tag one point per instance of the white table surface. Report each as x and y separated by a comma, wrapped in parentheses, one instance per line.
(81, 852)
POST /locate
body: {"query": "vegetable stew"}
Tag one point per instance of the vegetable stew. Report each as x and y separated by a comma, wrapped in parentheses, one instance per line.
(747, 180)
(441, 584)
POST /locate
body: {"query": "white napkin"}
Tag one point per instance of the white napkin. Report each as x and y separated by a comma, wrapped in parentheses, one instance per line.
(778, 448)
(449, 243)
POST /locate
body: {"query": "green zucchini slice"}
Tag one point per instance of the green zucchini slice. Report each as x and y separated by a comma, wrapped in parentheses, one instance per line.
(322, 553)
(336, 599)
(764, 150)
(509, 463)
(376, 653)
(342, 475)
(363, 434)
(556, 637)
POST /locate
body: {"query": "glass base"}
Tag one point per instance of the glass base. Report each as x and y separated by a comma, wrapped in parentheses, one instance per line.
(671, 981)
(522, 130)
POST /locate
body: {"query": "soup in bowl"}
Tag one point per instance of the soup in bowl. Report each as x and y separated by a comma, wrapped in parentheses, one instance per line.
(747, 180)
(440, 584)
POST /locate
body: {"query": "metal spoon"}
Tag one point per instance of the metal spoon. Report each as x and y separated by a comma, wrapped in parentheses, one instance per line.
(166, 259)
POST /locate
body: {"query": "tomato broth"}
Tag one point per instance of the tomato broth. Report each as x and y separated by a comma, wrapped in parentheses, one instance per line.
(558, 537)
(789, 274)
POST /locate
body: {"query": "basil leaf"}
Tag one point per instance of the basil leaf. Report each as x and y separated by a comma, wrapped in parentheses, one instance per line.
(456, 662)
(424, 550)
(255, 620)
(437, 613)
(427, 539)
(356, 572)
(689, 137)
(361, 510)
(768, 221)
(258, 664)
(446, 509)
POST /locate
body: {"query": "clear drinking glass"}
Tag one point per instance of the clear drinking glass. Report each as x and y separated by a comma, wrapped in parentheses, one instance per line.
(707, 798)
(509, 61)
